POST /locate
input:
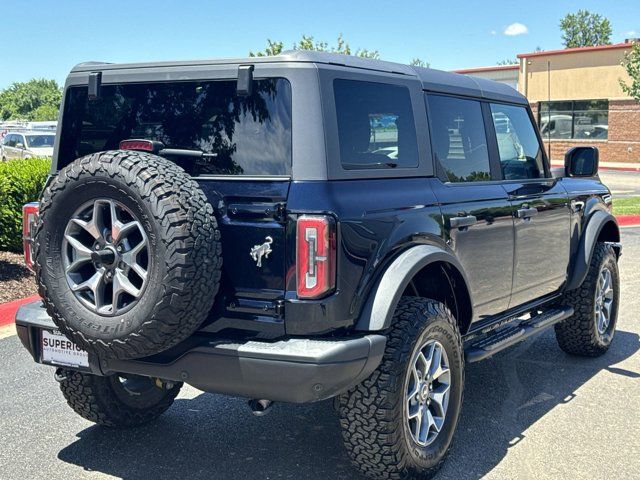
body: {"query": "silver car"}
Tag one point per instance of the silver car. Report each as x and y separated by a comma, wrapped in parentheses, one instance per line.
(17, 145)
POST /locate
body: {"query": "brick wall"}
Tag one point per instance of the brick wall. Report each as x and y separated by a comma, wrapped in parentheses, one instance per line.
(623, 144)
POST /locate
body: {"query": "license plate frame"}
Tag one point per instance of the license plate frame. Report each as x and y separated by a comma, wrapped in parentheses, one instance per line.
(56, 349)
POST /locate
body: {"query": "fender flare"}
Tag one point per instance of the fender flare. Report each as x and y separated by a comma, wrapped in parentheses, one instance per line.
(384, 296)
(595, 224)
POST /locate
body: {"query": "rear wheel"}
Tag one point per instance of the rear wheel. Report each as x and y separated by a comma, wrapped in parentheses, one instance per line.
(117, 401)
(589, 332)
(399, 423)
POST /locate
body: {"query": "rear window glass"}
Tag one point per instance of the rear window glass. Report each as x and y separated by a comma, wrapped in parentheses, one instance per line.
(241, 135)
(375, 125)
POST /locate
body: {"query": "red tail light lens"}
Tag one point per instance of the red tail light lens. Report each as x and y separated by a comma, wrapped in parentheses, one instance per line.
(29, 218)
(144, 145)
(316, 256)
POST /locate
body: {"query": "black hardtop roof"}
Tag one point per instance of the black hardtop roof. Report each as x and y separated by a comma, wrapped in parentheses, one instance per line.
(432, 79)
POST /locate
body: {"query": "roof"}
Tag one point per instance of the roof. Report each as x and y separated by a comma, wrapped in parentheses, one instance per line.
(432, 79)
(492, 68)
(31, 132)
(576, 50)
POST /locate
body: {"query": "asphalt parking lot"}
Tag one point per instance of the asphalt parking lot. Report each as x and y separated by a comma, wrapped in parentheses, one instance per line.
(530, 412)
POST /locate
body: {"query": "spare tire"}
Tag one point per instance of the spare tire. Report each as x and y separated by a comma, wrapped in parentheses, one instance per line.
(127, 253)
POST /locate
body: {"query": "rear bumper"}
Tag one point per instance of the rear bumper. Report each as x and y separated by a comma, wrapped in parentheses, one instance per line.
(293, 370)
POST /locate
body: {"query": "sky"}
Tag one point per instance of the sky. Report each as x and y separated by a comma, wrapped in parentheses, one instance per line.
(49, 37)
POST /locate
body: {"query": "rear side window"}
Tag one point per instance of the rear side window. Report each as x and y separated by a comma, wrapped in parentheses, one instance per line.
(458, 138)
(376, 128)
(242, 135)
(518, 145)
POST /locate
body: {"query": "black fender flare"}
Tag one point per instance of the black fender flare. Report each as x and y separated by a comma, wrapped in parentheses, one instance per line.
(385, 295)
(595, 224)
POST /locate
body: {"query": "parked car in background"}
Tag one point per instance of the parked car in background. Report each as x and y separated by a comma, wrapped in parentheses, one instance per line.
(16, 145)
(49, 125)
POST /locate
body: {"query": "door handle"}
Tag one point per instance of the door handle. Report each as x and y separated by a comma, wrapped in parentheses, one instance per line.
(525, 213)
(462, 222)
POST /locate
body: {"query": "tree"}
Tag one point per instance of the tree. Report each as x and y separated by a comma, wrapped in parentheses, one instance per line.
(631, 64)
(508, 61)
(37, 99)
(585, 29)
(417, 62)
(307, 42)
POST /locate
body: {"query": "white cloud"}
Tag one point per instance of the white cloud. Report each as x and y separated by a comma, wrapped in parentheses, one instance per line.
(493, 32)
(631, 33)
(516, 29)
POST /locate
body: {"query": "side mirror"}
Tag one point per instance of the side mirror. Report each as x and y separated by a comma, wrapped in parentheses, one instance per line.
(20, 145)
(581, 162)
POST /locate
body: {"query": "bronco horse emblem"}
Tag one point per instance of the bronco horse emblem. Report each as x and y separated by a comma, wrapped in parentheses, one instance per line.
(259, 251)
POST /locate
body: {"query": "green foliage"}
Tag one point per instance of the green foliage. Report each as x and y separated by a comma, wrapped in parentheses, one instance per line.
(37, 99)
(307, 42)
(585, 29)
(508, 61)
(626, 206)
(273, 48)
(418, 62)
(631, 64)
(21, 181)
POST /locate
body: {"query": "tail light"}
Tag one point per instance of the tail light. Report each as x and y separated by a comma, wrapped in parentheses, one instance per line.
(29, 218)
(316, 256)
(141, 145)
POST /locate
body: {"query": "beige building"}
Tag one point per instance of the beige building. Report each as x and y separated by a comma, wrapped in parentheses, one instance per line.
(577, 99)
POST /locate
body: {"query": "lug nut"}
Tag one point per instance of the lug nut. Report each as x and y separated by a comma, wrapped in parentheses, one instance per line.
(119, 249)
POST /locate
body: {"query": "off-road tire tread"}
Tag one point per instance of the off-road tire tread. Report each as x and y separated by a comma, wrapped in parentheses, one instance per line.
(191, 240)
(577, 334)
(371, 422)
(92, 397)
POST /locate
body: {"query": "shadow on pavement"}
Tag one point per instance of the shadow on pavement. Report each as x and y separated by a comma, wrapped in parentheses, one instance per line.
(215, 437)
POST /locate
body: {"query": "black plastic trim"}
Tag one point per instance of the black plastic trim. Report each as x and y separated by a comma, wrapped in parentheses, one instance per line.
(297, 370)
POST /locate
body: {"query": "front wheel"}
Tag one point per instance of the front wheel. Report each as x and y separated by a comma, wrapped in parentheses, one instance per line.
(117, 400)
(399, 423)
(589, 331)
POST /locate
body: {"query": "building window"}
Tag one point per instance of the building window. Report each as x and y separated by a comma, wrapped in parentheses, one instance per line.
(574, 119)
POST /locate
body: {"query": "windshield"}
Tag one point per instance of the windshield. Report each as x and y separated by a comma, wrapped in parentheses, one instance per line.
(242, 135)
(40, 141)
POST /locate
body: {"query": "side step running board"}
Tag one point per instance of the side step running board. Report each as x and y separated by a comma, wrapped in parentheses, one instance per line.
(508, 335)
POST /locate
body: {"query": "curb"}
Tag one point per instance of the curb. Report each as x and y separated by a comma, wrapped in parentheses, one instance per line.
(8, 310)
(628, 220)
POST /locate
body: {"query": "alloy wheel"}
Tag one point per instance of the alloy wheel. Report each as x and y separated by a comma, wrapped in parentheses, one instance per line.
(427, 393)
(604, 300)
(105, 257)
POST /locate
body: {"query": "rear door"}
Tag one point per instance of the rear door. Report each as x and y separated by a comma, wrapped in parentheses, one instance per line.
(476, 209)
(539, 203)
(238, 147)
(251, 216)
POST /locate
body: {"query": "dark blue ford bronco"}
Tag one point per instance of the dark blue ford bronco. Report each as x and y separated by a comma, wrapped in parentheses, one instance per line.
(304, 227)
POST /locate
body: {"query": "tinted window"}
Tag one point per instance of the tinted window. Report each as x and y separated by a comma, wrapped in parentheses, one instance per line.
(375, 125)
(10, 140)
(518, 145)
(38, 141)
(585, 119)
(243, 135)
(458, 138)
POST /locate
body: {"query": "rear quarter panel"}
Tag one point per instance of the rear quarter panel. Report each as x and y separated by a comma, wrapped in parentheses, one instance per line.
(377, 219)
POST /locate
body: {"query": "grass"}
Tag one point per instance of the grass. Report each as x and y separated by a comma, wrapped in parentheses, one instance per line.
(626, 206)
